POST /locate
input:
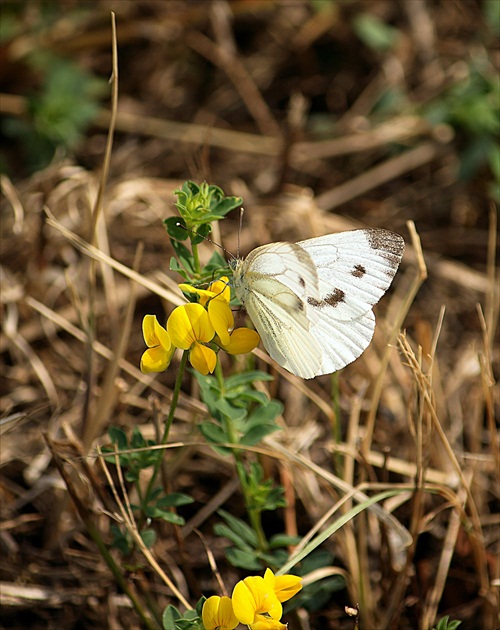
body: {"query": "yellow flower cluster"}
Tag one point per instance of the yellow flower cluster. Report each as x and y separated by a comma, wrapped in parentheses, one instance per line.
(255, 602)
(192, 327)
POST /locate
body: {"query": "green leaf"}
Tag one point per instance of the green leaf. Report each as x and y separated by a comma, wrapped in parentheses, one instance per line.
(152, 512)
(201, 234)
(118, 437)
(169, 617)
(374, 33)
(226, 205)
(283, 540)
(243, 559)
(226, 532)
(148, 537)
(244, 531)
(229, 410)
(174, 499)
(176, 228)
(213, 432)
(256, 434)
(247, 378)
(265, 413)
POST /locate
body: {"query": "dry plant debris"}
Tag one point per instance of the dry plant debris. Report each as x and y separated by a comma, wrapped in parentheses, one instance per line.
(323, 116)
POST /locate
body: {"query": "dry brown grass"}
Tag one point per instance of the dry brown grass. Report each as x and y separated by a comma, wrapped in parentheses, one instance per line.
(84, 257)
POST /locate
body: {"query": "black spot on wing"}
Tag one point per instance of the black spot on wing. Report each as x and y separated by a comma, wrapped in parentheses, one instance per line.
(358, 271)
(332, 299)
(302, 282)
(390, 246)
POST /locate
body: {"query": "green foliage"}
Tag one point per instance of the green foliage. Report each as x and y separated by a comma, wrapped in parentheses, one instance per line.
(374, 33)
(446, 624)
(131, 463)
(122, 540)
(154, 504)
(314, 597)
(59, 113)
(247, 552)
(240, 414)
(472, 108)
(191, 620)
(260, 492)
(198, 206)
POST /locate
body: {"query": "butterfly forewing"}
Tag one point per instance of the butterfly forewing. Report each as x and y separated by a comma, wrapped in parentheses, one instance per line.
(311, 301)
(288, 263)
(354, 269)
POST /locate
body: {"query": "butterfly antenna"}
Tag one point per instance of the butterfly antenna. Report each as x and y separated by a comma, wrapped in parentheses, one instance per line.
(206, 238)
(240, 227)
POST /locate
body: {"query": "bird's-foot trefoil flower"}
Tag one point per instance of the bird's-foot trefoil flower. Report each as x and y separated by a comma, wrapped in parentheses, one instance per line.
(217, 614)
(256, 605)
(160, 349)
(193, 326)
(284, 586)
(190, 328)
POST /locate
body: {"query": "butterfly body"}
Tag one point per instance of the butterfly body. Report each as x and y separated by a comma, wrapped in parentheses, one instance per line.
(311, 301)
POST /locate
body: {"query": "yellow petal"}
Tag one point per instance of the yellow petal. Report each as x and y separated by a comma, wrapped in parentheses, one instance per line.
(251, 597)
(156, 359)
(244, 604)
(221, 318)
(217, 290)
(154, 334)
(203, 358)
(241, 341)
(285, 586)
(265, 623)
(220, 289)
(218, 613)
(189, 323)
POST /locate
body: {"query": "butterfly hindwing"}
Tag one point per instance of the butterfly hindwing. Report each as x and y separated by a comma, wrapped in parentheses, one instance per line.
(286, 336)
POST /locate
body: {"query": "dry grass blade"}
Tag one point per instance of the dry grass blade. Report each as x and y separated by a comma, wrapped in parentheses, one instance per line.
(130, 524)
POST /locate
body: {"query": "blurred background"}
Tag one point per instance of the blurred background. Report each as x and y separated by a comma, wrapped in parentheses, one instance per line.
(323, 115)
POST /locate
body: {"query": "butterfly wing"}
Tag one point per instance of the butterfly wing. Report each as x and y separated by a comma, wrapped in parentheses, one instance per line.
(285, 332)
(311, 302)
(354, 270)
(274, 283)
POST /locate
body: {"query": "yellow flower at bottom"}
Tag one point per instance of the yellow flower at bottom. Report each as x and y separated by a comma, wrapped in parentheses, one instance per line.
(218, 614)
(284, 586)
(190, 328)
(255, 602)
(265, 623)
(160, 349)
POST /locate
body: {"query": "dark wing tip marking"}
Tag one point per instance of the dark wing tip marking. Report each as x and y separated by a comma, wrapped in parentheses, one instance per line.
(390, 245)
(332, 299)
(358, 271)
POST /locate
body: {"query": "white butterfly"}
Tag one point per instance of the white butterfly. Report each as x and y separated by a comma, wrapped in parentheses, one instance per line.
(311, 302)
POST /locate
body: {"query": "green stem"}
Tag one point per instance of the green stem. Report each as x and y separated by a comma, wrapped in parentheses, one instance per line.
(196, 258)
(168, 424)
(117, 574)
(253, 514)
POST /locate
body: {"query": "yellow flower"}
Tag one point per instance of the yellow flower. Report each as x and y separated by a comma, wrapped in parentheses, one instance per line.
(256, 605)
(190, 328)
(266, 623)
(239, 341)
(160, 350)
(284, 586)
(218, 290)
(218, 614)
